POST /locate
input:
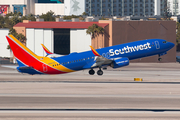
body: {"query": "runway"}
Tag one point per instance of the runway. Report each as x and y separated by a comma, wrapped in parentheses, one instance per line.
(83, 97)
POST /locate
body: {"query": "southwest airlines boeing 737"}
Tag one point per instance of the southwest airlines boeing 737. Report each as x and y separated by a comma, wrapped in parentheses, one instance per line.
(114, 56)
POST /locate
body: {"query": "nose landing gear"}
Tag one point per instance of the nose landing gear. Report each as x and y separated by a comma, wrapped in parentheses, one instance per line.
(159, 59)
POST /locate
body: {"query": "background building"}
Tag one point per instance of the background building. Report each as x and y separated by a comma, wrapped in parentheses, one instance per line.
(124, 7)
(23, 6)
(74, 7)
(50, 1)
(91, 7)
(59, 37)
(174, 7)
(4, 52)
(43, 6)
(36, 7)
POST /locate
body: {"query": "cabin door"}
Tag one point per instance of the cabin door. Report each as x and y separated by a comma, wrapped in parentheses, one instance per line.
(157, 45)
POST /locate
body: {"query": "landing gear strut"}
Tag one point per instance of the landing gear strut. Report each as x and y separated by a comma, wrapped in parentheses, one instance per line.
(159, 59)
(91, 72)
(100, 72)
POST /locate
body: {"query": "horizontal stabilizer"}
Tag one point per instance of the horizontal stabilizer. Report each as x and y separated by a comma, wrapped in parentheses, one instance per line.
(29, 70)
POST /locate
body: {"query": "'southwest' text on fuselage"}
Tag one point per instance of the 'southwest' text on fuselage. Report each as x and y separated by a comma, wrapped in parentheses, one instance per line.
(128, 49)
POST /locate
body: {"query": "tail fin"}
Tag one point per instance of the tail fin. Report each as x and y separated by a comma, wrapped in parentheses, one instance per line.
(24, 56)
(30, 63)
(46, 50)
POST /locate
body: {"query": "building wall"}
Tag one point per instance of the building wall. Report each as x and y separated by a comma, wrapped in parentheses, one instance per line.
(20, 30)
(129, 31)
(4, 52)
(36, 37)
(163, 6)
(157, 7)
(30, 8)
(119, 7)
(58, 9)
(79, 40)
(75, 7)
(174, 6)
(13, 1)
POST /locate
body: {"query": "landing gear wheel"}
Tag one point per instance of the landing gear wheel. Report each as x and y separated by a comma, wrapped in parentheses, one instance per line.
(159, 59)
(100, 72)
(91, 72)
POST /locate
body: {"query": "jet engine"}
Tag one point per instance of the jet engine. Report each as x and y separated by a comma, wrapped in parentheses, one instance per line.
(120, 62)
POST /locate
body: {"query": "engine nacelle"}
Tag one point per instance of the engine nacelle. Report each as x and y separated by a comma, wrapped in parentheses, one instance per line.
(120, 62)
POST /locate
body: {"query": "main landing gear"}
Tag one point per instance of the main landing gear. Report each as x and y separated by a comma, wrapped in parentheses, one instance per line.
(91, 72)
(99, 72)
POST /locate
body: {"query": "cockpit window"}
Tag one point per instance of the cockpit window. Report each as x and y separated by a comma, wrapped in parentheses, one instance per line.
(164, 41)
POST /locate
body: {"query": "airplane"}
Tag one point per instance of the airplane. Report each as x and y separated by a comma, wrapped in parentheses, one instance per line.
(114, 56)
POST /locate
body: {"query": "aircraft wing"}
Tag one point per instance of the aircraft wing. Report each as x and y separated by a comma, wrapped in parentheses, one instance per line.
(100, 60)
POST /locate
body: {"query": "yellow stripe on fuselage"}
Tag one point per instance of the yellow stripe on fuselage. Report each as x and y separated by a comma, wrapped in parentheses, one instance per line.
(55, 64)
(48, 61)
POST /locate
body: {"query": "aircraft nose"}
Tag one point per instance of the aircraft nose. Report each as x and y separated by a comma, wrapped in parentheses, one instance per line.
(171, 45)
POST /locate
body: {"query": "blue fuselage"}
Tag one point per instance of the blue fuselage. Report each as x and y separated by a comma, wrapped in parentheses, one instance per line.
(133, 50)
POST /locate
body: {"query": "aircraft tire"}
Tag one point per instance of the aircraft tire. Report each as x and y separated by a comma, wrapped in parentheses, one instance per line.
(159, 59)
(91, 72)
(100, 72)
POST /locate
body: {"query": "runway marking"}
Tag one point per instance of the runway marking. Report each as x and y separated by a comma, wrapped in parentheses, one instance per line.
(87, 81)
(91, 110)
(89, 95)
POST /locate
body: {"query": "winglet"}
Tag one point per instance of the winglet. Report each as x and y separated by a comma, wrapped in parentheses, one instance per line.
(94, 51)
(46, 50)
